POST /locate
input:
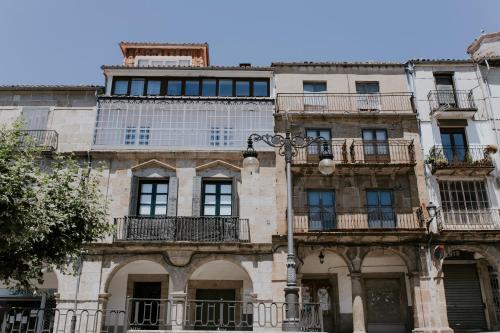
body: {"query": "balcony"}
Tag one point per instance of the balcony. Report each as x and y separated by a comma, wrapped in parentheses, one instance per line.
(394, 155)
(470, 219)
(180, 123)
(374, 219)
(44, 139)
(336, 103)
(452, 104)
(204, 229)
(472, 160)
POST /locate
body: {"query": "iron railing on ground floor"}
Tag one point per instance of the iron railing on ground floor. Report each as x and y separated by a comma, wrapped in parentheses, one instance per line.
(470, 219)
(368, 218)
(162, 314)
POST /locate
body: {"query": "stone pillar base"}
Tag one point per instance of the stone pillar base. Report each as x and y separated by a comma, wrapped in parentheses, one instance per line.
(432, 330)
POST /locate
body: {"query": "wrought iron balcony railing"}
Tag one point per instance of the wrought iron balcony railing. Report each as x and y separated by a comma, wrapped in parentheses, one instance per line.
(345, 103)
(45, 139)
(469, 219)
(384, 152)
(367, 219)
(451, 100)
(207, 229)
(162, 314)
(471, 156)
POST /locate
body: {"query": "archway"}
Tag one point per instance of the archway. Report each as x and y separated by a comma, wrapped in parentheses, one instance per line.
(387, 292)
(471, 287)
(324, 279)
(219, 296)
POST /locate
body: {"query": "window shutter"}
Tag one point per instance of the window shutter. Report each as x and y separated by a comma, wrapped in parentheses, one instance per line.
(196, 196)
(235, 198)
(134, 189)
(172, 197)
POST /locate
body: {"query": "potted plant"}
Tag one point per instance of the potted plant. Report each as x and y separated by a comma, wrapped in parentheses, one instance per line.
(436, 158)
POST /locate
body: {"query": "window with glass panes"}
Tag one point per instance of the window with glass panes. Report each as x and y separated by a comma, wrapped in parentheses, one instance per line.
(217, 198)
(463, 195)
(153, 197)
(324, 133)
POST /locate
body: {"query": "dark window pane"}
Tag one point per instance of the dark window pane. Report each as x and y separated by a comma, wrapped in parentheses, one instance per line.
(192, 88)
(225, 87)
(121, 87)
(137, 87)
(154, 87)
(242, 88)
(174, 88)
(314, 87)
(208, 88)
(260, 89)
(367, 87)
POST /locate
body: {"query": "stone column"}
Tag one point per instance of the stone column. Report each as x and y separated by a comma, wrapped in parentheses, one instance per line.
(358, 311)
(176, 306)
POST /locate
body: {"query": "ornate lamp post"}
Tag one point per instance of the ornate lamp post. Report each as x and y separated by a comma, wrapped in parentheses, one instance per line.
(287, 147)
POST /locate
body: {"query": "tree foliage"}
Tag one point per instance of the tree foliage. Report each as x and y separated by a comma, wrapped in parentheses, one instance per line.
(50, 208)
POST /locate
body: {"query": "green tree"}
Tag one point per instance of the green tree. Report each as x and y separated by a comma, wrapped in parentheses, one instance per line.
(50, 208)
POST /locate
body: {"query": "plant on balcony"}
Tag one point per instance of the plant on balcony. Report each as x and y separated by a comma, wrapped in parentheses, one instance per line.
(436, 158)
(490, 149)
(49, 210)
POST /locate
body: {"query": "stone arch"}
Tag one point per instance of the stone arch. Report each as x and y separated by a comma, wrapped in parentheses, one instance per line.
(491, 254)
(198, 262)
(128, 260)
(407, 257)
(306, 253)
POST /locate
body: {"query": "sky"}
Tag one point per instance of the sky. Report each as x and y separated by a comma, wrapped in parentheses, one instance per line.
(66, 41)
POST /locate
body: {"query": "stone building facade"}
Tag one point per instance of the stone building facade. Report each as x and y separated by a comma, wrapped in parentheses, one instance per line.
(402, 237)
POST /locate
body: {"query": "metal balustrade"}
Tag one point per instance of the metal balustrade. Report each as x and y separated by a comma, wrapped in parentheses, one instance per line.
(45, 139)
(451, 100)
(469, 219)
(345, 103)
(470, 156)
(358, 151)
(162, 314)
(368, 218)
(211, 229)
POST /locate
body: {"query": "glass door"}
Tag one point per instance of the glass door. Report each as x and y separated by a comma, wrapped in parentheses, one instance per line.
(375, 145)
(380, 209)
(454, 144)
(321, 210)
(445, 90)
(314, 150)
(368, 95)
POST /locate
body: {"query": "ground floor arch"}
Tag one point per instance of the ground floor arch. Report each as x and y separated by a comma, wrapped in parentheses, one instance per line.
(470, 278)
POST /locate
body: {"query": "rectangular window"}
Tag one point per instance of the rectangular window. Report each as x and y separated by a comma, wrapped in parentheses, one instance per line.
(380, 209)
(221, 136)
(225, 88)
(314, 87)
(130, 135)
(174, 88)
(217, 198)
(315, 149)
(367, 87)
(137, 87)
(192, 88)
(375, 144)
(454, 143)
(154, 87)
(121, 87)
(321, 210)
(260, 88)
(153, 197)
(445, 89)
(242, 88)
(463, 195)
(144, 136)
(209, 87)
(368, 95)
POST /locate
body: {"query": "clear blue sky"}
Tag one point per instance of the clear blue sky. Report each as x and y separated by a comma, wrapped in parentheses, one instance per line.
(66, 41)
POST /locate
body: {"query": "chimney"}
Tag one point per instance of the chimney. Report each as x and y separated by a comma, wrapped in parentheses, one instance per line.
(245, 65)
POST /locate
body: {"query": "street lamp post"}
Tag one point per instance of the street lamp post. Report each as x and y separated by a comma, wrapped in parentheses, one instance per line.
(287, 147)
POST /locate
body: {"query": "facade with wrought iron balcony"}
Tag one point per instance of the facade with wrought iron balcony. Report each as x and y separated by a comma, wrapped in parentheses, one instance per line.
(350, 225)
(460, 145)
